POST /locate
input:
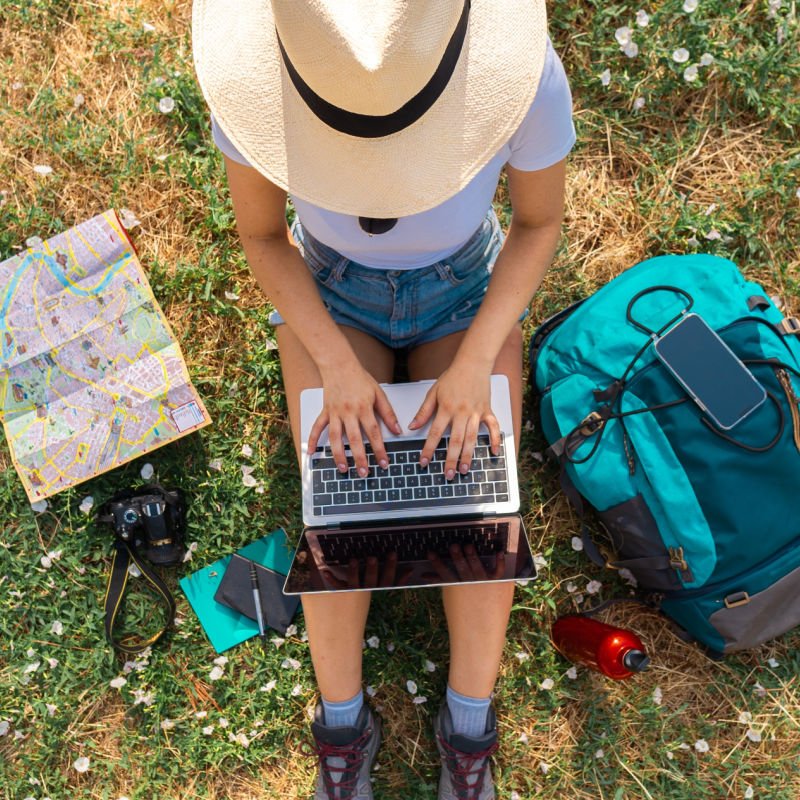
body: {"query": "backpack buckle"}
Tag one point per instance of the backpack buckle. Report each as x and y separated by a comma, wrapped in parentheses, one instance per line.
(676, 559)
(591, 424)
(790, 326)
(737, 599)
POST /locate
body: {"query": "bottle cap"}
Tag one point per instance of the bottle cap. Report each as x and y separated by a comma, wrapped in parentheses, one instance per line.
(636, 661)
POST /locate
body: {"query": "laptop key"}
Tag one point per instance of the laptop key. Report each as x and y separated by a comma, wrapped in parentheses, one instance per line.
(394, 494)
(406, 494)
(412, 480)
(380, 496)
(373, 483)
(365, 497)
(460, 490)
(323, 499)
(501, 487)
(352, 497)
(396, 469)
(339, 498)
(399, 505)
(426, 480)
(386, 483)
(317, 483)
(419, 493)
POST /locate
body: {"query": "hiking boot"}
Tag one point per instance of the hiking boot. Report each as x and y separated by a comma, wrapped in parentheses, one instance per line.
(465, 760)
(345, 756)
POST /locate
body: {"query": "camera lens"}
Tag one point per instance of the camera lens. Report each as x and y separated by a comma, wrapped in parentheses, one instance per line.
(130, 516)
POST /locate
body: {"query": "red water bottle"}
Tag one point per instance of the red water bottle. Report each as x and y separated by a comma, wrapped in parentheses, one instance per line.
(615, 652)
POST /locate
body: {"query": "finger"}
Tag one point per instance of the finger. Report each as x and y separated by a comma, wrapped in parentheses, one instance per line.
(373, 433)
(468, 445)
(425, 410)
(441, 570)
(475, 564)
(320, 423)
(437, 430)
(371, 573)
(352, 574)
(453, 450)
(353, 429)
(337, 445)
(460, 563)
(389, 570)
(386, 412)
(490, 420)
(499, 566)
(330, 581)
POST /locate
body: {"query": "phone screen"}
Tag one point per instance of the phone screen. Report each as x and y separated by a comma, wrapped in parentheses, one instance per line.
(709, 371)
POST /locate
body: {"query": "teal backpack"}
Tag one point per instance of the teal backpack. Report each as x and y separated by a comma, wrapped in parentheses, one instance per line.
(707, 520)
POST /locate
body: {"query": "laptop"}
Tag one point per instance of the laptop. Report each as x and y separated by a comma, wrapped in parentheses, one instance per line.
(408, 526)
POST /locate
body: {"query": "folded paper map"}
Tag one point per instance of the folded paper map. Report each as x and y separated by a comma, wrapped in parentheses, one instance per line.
(90, 373)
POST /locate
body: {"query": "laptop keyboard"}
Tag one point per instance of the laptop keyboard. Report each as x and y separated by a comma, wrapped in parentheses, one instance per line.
(412, 544)
(406, 485)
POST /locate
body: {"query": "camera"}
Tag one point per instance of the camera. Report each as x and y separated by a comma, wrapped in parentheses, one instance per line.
(152, 521)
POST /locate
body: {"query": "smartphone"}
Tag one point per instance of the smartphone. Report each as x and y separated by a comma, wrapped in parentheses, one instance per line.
(709, 371)
(236, 591)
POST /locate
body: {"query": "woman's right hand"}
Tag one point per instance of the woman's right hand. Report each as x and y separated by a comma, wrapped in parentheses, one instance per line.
(353, 402)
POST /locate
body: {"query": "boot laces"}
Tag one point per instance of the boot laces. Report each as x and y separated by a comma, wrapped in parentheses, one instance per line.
(353, 755)
(463, 766)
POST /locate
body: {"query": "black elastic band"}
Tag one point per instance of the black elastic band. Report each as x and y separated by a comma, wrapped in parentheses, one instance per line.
(367, 126)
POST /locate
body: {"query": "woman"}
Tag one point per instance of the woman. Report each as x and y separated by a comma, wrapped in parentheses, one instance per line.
(388, 122)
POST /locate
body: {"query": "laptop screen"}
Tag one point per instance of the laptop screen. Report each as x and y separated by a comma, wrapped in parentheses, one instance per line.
(404, 556)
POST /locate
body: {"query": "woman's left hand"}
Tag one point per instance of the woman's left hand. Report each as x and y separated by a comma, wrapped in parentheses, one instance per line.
(460, 398)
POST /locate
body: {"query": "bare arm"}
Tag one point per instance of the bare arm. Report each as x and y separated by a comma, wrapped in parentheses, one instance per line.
(352, 397)
(461, 396)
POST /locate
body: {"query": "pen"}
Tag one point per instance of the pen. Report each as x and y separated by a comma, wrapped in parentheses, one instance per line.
(257, 599)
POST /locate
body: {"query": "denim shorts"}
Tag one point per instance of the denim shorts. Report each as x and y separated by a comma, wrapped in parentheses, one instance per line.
(404, 308)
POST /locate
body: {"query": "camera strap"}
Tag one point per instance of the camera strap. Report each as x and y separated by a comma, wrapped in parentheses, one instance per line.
(124, 556)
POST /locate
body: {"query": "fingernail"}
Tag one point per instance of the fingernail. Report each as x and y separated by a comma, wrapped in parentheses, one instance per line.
(451, 473)
(362, 471)
(423, 462)
(397, 428)
(342, 467)
(464, 469)
(384, 463)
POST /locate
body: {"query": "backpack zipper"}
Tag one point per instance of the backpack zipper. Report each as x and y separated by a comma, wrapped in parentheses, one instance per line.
(794, 403)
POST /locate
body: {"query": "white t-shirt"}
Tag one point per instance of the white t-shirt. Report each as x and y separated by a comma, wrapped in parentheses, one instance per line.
(545, 136)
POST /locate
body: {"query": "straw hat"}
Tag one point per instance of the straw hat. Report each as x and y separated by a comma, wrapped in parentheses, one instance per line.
(381, 108)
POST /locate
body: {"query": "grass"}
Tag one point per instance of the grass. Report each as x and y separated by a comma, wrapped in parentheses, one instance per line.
(704, 165)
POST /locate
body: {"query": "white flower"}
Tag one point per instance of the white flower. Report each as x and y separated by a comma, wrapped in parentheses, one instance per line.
(411, 686)
(30, 652)
(572, 673)
(166, 105)
(701, 745)
(147, 472)
(167, 724)
(231, 296)
(599, 753)
(215, 464)
(593, 587)
(713, 234)
(371, 691)
(31, 667)
(658, 696)
(577, 543)
(642, 18)
(690, 5)
(34, 242)
(706, 60)
(277, 641)
(200, 714)
(147, 27)
(290, 663)
(753, 735)
(86, 505)
(128, 219)
(247, 451)
(680, 56)
(571, 587)
(547, 684)
(78, 100)
(42, 169)
(521, 656)
(544, 767)
(419, 700)
(81, 764)
(57, 627)
(134, 571)
(249, 480)
(221, 661)
(605, 77)
(46, 562)
(291, 630)
(759, 690)
(51, 709)
(627, 576)
(208, 730)
(540, 562)
(623, 35)
(296, 690)
(638, 105)
(429, 666)
(216, 673)
(523, 738)
(4, 726)
(223, 722)
(373, 642)
(690, 73)
(39, 507)
(143, 698)
(268, 686)
(745, 717)
(390, 647)
(773, 662)
(241, 738)
(515, 796)
(748, 793)
(117, 683)
(631, 49)
(52, 663)
(693, 241)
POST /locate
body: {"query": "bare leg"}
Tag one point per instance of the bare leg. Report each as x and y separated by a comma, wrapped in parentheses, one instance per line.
(477, 614)
(335, 622)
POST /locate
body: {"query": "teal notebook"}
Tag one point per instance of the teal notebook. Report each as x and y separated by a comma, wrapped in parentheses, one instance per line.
(224, 626)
